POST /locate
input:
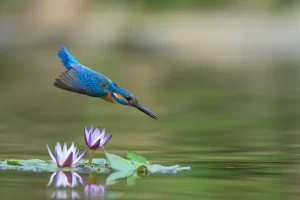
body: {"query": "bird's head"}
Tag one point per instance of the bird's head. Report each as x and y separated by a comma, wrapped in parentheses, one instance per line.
(124, 97)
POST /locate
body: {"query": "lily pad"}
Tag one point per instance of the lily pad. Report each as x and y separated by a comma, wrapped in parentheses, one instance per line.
(37, 165)
(13, 162)
(137, 158)
(95, 162)
(166, 169)
(121, 164)
(118, 163)
(135, 165)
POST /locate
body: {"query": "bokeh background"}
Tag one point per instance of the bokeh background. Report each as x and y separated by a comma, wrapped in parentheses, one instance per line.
(222, 75)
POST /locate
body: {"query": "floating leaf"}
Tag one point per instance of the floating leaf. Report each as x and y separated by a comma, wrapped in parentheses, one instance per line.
(118, 163)
(13, 162)
(115, 162)
(137, 158)
(166, 169)
(37, 165)
(96, 161)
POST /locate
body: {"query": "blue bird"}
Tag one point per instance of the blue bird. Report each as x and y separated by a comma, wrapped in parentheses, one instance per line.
(83, 80)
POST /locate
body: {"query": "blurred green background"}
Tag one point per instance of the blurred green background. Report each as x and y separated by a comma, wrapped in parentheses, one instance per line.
(222, 75)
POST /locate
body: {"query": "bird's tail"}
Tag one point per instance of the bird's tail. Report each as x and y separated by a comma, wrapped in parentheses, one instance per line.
(66, 58)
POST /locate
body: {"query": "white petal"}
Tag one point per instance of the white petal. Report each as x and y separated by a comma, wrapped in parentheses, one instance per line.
(79, 177)
(79, 157)
(73, 147)
(50, 153)
(58, 150)
(91, 129)
(86, 134)
(96, 137)
(60, 160)
(64, 154)
(70, 150)
(75, 195)
(62, 180)
(99, 136)
(74, 180)
(97, 130)
(75, 154)
(51, 179)
(59, 179)
(102, 133)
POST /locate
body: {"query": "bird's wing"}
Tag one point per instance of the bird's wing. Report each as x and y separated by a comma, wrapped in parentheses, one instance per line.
(69, 81)
(81, 79)
(66, 58)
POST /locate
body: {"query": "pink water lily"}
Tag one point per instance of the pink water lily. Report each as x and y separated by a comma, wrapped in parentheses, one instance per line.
(95, 139)
(65, 157)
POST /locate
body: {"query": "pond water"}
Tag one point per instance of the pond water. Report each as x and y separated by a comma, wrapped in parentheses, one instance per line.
(236, 128)
(204, 181)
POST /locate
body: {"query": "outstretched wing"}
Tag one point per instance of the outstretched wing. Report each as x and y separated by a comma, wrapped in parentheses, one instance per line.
(68, 81)
(83, 80)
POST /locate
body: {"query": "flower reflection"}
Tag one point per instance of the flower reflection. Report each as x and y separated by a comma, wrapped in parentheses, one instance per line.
(65, 179)
(93, 190)
(65, 194)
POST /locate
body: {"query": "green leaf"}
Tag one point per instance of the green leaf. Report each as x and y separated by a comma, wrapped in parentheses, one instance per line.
(13, 162)
(118, 163)
(96, 161)
(37, 165)
(137, 158)
(166, 169)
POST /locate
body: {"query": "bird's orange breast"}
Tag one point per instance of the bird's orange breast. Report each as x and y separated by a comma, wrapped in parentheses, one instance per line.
(109, 97)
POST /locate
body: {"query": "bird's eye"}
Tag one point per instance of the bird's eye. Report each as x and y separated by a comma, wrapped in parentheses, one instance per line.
(128, 98)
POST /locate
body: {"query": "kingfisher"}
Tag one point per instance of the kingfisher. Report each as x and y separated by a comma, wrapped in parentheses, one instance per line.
(83, 80)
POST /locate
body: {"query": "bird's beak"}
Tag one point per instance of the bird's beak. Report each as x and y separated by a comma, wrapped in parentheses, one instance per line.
(146, 111)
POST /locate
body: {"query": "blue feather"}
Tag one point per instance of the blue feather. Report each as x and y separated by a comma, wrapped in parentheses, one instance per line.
(66, 58)
(83, 80)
